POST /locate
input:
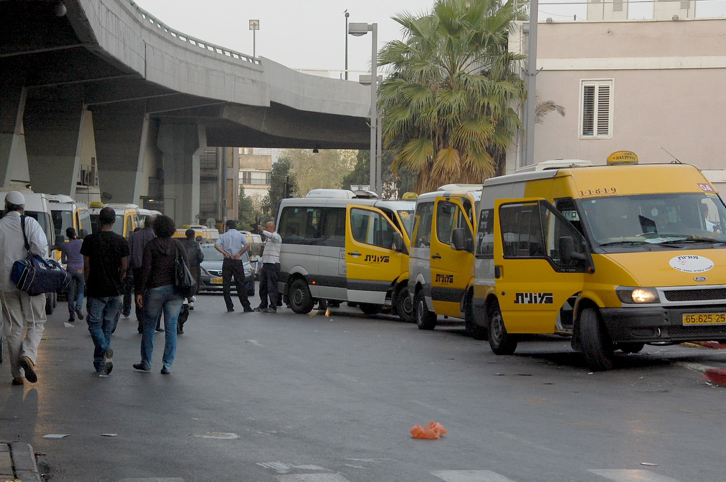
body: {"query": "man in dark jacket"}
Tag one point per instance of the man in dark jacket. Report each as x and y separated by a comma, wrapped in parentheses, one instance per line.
(137, 241)
(195, 257)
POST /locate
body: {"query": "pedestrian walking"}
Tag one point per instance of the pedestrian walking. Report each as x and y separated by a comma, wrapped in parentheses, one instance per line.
(23, 319)
(105, 258)
(233, 244)
(195, 257)
(270, 268)
(137, 242)
(73, 259)
(157, 285)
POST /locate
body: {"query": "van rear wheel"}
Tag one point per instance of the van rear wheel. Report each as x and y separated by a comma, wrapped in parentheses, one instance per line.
(301, 301)
(501, 342)
(474, 330)
(424, 318)
(405, 306)
(595, 341)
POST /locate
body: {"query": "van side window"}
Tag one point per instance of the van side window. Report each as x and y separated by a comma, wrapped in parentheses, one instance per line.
(485, 234)
(422, 229)
(299, 225)
(449, 216)
(568, 209)
(370, 227)
(521, 230)
(333, 227)
(554, 229)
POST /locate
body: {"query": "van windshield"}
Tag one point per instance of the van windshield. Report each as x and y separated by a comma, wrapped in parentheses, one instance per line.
(672, 218)
(407, 218)
(118, 225)
(62, 220)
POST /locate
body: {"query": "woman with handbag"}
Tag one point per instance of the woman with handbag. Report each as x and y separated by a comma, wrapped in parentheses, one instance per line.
(162, 256)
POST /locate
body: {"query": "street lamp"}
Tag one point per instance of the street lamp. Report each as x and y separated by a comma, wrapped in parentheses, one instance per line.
(346, 44)
(358, 29)
(254, 26)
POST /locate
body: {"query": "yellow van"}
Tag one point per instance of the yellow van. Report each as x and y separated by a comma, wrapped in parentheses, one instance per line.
(441, 263)
(345, 249)
(208, 235)
(127, 217)
(615, 256)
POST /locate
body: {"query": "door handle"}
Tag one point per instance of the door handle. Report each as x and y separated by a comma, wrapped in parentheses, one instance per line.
(435, 256)
(355, 254)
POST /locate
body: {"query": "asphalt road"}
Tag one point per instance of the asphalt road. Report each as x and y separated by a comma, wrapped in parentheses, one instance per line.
(315, 398)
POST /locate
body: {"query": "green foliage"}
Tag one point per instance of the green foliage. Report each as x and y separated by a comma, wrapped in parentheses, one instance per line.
(395, 184)
(324, 169)
(447, 107)
(246, 212)
(280, 175)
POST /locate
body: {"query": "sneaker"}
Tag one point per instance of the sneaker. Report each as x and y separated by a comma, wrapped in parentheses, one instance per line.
(71, 320)
(248, 309)
(27, 365)
(18, 381)
(108, 361)
(141, 367)
(191, 306)
(230, 310)
(125, 315)
(165, 371)
(269, 310)
(80, 313)
(260, 309)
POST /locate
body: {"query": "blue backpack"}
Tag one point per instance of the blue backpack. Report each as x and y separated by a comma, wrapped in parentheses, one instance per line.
(36, 275)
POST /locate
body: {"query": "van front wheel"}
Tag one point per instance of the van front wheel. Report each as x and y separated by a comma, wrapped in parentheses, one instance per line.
(474, 330)
(424, 318)
(301, 301)
(501, 342)
(595, 341)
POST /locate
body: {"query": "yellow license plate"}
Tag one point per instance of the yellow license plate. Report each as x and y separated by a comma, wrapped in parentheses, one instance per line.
(690, 319)
(216, 281)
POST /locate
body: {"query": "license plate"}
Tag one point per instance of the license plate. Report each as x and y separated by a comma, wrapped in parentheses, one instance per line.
(690, 319)
(216, 281)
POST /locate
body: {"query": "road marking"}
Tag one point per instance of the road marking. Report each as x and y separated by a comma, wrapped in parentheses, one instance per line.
(255, 342)
(632, 475)
(470, 476)
(153, 479)
(217, 435)
(282, 468)
(311, 478)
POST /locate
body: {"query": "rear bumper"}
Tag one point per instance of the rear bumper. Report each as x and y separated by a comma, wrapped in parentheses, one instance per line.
(660, 324)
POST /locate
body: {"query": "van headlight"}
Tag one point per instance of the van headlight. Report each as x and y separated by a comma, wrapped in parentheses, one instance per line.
(638, 295)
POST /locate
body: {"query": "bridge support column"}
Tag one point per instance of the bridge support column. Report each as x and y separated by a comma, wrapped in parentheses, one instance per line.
(54, 120)
(13, 155)
(122, 138)
(181, 146)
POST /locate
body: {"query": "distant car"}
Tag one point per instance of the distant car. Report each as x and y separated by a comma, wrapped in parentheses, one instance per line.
(210, 278)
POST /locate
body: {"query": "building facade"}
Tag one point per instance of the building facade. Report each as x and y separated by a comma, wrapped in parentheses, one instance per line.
(255, 169)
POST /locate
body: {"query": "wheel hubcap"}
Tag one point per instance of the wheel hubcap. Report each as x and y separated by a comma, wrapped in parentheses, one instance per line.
(496, 327)
(297, 297)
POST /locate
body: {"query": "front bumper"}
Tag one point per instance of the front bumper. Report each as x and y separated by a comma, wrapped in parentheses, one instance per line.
(660, 324)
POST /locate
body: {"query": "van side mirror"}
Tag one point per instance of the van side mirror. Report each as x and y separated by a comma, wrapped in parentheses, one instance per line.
(458, 239)
(398, 244)
(566, 245)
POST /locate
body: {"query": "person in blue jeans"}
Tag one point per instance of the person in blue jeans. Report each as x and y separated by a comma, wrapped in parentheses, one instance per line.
(158, 294)
(105, 257)
(73, 259)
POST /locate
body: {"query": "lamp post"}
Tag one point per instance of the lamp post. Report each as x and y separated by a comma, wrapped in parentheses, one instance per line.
(358, 29)
(254, 26)
(346, 44)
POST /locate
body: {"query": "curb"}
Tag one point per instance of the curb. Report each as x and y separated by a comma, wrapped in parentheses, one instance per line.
(17, 462)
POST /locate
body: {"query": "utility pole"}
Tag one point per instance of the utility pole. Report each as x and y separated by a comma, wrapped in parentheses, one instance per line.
(531, 74)
(346, 44)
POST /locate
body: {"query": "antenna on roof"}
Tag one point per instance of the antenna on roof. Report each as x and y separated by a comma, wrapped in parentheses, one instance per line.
(674, 157)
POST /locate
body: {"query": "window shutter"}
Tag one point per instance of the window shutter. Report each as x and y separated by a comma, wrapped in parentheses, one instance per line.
(588, 110)
(603, 110)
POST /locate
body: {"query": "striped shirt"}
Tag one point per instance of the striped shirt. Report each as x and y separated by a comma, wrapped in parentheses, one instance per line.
(272, 248)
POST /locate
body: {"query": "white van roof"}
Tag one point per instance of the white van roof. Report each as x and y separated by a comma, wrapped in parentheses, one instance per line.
(556, 164)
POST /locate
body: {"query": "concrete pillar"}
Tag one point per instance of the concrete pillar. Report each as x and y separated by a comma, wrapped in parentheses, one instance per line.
(13, 155)
(181, 146)
(122, 131)
(53, 121)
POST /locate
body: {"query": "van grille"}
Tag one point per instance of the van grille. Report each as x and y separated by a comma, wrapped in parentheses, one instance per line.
(697, 330)
(696, 295)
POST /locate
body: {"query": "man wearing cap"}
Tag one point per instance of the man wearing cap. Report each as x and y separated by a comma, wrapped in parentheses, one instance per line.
(23, 315)
(105, 259)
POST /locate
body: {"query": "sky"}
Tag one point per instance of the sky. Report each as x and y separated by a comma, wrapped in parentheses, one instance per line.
(310, 34)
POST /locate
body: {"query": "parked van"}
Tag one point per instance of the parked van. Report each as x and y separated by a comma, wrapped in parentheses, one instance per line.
(67, 213)
(340, 249)
(616, 256)
(127, 217)
(146, 213)
(208, 235)
(442, 256)
(38, 207)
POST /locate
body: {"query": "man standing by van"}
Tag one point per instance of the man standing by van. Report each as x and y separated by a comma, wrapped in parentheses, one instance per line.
(23, 315)
(270, 268)
(233, 244)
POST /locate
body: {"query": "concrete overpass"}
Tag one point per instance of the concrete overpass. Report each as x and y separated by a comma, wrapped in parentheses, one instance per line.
(82, 72)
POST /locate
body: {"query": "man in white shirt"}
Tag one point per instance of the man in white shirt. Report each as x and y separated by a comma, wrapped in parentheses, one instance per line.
(232, 244)
(20, 310)
(270, 269)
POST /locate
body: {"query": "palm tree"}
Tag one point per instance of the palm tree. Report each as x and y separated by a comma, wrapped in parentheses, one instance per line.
(448, 105)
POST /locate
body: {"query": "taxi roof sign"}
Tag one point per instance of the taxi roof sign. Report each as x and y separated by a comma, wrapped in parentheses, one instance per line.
(618, 158)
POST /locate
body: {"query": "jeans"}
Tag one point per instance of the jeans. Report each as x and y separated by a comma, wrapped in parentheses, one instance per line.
(75, 292)
(102, 313)
(268, 284)
(156, 300)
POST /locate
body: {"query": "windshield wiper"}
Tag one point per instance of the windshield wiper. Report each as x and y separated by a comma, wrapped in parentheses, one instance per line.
(692, 239)
(624, 242)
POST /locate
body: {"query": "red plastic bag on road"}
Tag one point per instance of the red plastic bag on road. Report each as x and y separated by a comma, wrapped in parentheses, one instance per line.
(431, 431)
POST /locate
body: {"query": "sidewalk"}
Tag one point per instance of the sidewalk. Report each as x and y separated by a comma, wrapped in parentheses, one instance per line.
(17, 462)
